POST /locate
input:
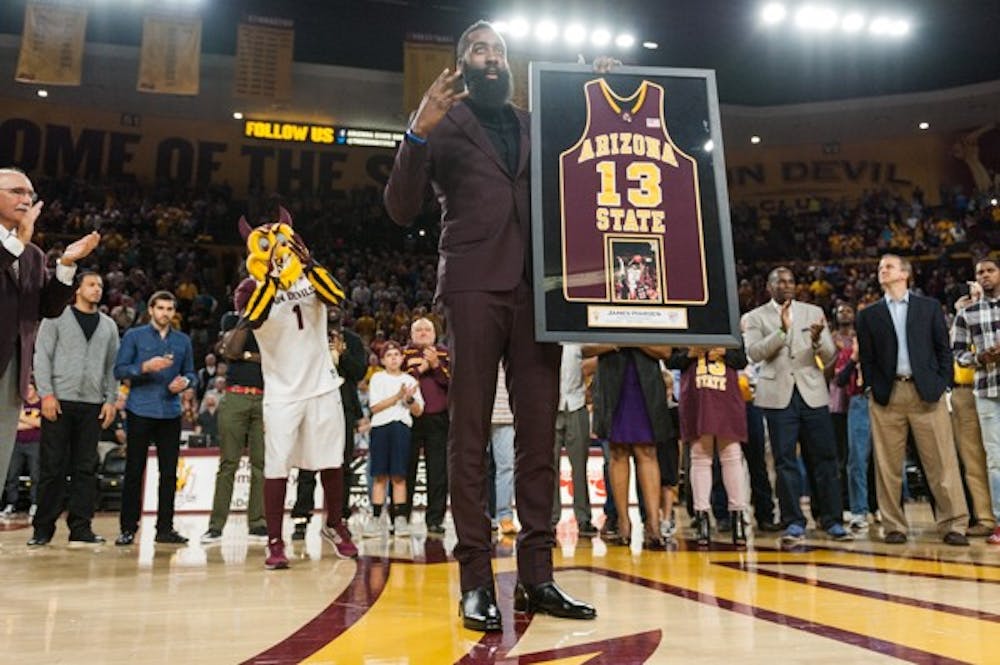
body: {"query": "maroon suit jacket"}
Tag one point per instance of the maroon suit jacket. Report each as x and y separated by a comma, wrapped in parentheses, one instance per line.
(23, 303)
(485, 210)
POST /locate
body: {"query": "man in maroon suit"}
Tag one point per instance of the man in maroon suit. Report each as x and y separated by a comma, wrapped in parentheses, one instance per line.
(471, 145)
(27, 294)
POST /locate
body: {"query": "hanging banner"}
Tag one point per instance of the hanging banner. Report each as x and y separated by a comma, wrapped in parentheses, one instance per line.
(630, 217)
(171, 55)
(52, 45)
(264, 51)
(425, 56)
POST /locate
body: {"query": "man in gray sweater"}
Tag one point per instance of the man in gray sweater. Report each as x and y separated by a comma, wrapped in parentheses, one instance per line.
(74, 371)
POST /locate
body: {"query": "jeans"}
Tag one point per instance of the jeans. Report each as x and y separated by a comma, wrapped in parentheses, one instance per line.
(502, 444)
(989, 424)
(859, 453)
(165, 433)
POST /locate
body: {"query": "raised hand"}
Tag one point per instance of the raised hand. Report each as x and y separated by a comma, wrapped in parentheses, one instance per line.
(79, 249)
(26, 226)
(437, 101)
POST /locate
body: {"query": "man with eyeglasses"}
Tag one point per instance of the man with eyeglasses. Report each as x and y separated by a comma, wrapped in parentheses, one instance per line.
(27, 294)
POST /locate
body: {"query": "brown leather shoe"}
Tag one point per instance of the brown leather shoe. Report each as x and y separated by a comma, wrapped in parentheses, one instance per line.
(894, 538)
(956, 538)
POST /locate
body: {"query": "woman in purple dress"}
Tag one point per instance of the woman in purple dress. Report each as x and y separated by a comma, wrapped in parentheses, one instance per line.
(713, 417)
(630, 411)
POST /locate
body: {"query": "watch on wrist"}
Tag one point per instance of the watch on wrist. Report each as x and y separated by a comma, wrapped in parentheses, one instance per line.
(247, 355)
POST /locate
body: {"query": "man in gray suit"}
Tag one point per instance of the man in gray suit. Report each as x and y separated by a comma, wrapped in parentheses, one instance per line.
(790, 339)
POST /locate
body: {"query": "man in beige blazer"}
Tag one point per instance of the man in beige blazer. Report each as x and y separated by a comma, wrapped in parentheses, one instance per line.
(790, 339)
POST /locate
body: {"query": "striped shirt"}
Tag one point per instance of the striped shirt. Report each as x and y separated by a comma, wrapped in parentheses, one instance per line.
(502, 414)
(977, 327)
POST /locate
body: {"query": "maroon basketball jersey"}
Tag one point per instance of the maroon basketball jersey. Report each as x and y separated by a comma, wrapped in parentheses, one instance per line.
(629, 198)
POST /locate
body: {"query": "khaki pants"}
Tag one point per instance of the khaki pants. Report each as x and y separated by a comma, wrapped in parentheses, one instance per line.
(936, 447)
(969, 440)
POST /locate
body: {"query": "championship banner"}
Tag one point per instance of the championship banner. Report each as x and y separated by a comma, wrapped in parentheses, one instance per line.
(425, 56)
(264, 51)
(171, 55)
(52, 45)
(630, 215)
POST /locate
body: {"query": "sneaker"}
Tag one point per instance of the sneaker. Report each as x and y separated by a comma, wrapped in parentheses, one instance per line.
(33, 510)
(668, 528)
(211, 536)
(85, 538)
(39, 540)
(125, 538)
(994, 538)
(401, 526)
(299, 533)
(276, 559)
(374, 528)
(610, 529)
(587, 530)
(794, 534)
(507, 526)
(258, 534)
(8, 510)
(435, 530)
(858, 522)
(980, 529)
(839, 533)
(340, 537)
(170, 538)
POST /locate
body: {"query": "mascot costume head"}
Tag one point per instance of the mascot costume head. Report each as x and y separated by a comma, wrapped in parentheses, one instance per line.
(277, 258)
(272, 250)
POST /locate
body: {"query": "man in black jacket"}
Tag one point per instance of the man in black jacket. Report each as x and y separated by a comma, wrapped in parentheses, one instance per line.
(906, 361)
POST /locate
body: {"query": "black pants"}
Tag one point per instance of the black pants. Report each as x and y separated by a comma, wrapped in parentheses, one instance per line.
(165, 434)
(305, 487)
(761, 493)
(430, 432)
(68, 448)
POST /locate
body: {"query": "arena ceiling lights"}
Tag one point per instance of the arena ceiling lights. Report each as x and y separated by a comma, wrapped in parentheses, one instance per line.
(813, 18)
(548, 32)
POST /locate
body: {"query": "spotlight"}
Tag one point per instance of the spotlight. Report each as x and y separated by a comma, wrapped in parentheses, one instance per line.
(652, 46)
(575, 34)
(43, 93)
(421, 233)
(624, 40)
(773, 13)
(810, 17)
(853, 22)
(237, 115)
(924, 125)
(519, 28)
(546, 31)
(600, 37)
(755, 139)
(880, 26)
(899, 28)
(709, 145)
(993, 202)
(500, 26)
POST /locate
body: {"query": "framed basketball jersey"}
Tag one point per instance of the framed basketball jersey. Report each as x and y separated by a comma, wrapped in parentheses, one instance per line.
(630, 217)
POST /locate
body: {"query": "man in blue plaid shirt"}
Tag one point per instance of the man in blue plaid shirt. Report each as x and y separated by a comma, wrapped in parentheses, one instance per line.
(975, 341)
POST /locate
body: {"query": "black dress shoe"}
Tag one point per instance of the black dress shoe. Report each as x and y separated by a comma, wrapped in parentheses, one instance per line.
(38, 540)
(479, 611)
(170, 538)
(435, 530)
(956, 538)
(770, 527)
(548, 598)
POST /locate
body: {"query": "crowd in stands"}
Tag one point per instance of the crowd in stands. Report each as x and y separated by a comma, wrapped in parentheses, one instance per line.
(186, 241)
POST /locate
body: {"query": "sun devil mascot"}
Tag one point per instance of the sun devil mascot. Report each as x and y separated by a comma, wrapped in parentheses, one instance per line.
(303, 416)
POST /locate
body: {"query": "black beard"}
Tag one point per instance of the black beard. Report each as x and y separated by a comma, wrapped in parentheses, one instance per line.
(488, 92)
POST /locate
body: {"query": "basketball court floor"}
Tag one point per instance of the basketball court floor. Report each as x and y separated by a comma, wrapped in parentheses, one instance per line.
(825, 602)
